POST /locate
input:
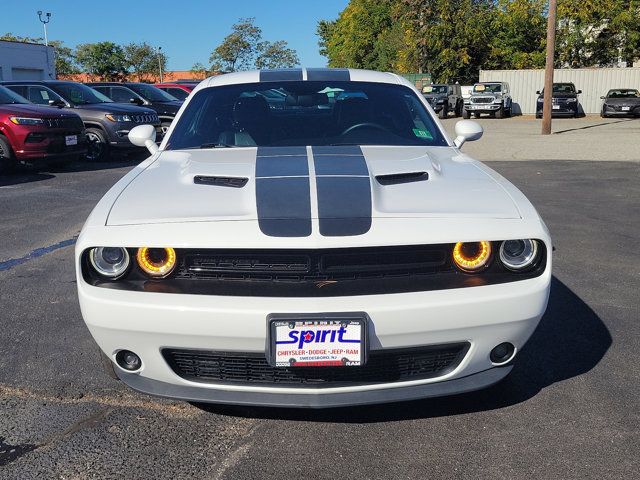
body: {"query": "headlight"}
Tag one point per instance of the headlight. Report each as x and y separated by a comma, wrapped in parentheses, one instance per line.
(156, 262)
(118, 118)
(572, 99)
(110, 262)
(518, 254)
(26, 121)
(497, 100)
(472, 256)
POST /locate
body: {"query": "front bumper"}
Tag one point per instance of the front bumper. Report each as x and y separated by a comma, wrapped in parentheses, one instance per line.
(146, 322)
(562, 110)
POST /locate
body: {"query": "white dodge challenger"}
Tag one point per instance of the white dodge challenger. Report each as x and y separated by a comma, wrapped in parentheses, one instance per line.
(311, 238)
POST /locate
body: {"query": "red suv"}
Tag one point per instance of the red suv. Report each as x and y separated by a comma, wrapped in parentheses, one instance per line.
(180, 89)
(32, 134)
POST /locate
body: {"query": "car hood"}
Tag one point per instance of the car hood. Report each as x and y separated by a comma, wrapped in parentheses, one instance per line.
(27, 109)
(622, 101)
(167, 191)
(122, 108)
(436, 96)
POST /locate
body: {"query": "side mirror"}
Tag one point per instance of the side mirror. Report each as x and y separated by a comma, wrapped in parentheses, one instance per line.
(579, 92)
(144, 136)
(537, 92)
(466, 131)
(137, 101)
(602, 98)
(57, 103)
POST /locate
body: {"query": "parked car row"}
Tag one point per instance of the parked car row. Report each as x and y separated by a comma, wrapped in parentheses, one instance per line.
(43, 122)
(494, 98)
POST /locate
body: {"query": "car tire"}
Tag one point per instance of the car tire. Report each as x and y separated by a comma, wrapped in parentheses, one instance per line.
(458, 111)
(7, 159)
(444, 112)
(466, 114)
(500, 112)
(97, 145)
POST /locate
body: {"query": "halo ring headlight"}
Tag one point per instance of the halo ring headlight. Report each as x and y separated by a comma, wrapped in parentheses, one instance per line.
(110, 262)
(472, 256)
(156, 262)
(517, 255)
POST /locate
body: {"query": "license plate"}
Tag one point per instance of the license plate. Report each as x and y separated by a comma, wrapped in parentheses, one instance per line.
(318, 342)
(556, 107)
(626, 109)
(71, 140)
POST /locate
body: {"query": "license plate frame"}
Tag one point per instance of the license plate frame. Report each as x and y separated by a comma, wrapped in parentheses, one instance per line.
(71, 140)
(625, 109)
(343, 355)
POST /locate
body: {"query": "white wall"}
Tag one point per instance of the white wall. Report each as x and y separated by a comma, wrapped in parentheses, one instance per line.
(26, 61)
(594, 83)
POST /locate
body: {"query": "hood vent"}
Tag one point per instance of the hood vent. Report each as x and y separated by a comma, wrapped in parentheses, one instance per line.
(399, 178)
(233, 182)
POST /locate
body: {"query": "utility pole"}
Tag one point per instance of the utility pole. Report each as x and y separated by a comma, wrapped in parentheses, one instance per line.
(45, 20)
(547, 105)
(160, 63)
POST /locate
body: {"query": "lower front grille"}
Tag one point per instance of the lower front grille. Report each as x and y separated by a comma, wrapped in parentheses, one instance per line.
(383, 366)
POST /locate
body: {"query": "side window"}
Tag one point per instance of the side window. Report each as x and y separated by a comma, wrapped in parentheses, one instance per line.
(41, 95)
(177, 92)
(20, 90)
(121, 95)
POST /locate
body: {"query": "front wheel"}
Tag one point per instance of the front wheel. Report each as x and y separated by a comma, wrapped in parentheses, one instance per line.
(97, 145)
(458, 111)
(7, 160)
(500, 112)
(466, 114)
(443, 113)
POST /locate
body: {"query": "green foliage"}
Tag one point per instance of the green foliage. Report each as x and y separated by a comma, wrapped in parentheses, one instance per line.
(103, 59)
(244, 48)
(276, 55)
(142, 60)
(238, 49)
(198, 70)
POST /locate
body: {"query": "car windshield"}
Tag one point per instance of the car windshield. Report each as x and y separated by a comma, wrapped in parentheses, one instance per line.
(151, 93)
(7, 97)
(435, 89)
(623, 93)
(564, 88)
(487, 88)
(79, 94)
(306, 113)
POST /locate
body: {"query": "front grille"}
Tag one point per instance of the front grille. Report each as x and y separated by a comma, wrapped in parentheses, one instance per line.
(482, 99)
(69, 123)
(145, 118)
(383, 366)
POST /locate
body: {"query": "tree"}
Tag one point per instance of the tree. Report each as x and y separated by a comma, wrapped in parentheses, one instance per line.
(198, 70)
(519, 38)
(142, 59)
(276, 55)
(238, 49)
(368, 34)
(104, 59)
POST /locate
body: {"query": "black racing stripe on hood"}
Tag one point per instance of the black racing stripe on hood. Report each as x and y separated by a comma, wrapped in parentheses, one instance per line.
(328, 74)
(281, 75)
(344, 190)
(283, 193)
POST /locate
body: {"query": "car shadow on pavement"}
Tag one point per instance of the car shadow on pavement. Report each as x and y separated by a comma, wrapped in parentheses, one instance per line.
(603, 124)
(570, 340)
(23, 177)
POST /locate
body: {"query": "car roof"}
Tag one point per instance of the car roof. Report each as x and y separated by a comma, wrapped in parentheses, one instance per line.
(31, 82)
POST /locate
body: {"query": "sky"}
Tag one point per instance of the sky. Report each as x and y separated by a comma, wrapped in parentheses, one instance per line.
(187, 30)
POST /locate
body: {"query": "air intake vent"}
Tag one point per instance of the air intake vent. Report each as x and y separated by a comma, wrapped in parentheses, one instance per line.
(233, 182)
(398, 178)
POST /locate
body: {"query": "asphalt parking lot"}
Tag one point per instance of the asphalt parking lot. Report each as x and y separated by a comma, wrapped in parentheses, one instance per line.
(570, 408)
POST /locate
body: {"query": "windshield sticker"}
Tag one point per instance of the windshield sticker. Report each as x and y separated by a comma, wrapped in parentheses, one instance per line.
(479, 88)
(422, 133)
(428, 89)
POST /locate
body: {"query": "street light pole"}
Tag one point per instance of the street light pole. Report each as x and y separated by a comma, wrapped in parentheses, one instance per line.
(160, 64)
(547, 105)
(45, 20)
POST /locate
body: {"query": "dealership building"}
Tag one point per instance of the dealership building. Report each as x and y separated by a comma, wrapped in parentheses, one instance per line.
(26, 61)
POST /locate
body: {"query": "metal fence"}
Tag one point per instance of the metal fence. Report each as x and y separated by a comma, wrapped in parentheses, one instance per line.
(594, 83)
